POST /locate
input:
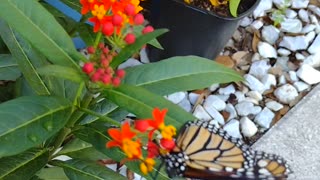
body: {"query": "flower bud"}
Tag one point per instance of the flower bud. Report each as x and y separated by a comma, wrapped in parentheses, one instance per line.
(107, 29)
(116, 81)
(130, 38)
(147, 29)
(91, 50)
(117, 20)
(138, 19)
(167, 144)
(88, 67)
(120, 73)
(129, 10)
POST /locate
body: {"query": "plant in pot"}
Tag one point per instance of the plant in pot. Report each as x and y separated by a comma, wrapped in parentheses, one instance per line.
(201, 27)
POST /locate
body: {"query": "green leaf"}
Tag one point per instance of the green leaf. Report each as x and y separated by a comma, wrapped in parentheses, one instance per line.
(66, 22)
(8, 68)
(28, 121)
(127, 52)
(53, 173)
(73, 4)
(24, 165)
(40, 28)
(181, 73)
(83, 170)
(99, 138)
(141, 102)
(233, 7)
(26, 58)
(104, 108)
(81, 150)
(61, 72)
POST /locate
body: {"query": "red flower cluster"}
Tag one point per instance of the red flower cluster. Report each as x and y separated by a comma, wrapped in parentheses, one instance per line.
(114, 16)
(131, 144)
(98, 68)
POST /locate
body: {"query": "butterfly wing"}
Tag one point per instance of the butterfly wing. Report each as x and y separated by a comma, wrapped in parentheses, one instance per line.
(207, 152)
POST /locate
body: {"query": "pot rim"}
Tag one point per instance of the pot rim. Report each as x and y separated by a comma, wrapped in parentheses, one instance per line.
(240, 16)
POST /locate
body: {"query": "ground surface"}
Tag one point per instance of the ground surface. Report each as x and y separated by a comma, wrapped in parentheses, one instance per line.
(296, 137)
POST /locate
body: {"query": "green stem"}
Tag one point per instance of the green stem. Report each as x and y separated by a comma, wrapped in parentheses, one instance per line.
(103, 118)
(98, 37)
(72, 120)
(74, 29)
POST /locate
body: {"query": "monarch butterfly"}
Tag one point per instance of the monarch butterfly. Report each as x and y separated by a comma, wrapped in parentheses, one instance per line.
(207, 152)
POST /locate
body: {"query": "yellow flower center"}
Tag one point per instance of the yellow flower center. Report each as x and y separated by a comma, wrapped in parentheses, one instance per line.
(90, 1)
(168, 132)
(147, 165)
(98, 11)
(131, 148)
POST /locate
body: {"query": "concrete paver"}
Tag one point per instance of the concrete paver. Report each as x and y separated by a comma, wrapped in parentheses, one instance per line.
(296, 137)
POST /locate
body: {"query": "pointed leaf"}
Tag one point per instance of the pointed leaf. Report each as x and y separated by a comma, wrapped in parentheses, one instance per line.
(26, 57)
(126, 52)
(61, 72)
(8, 68)
(28, 121)
(141, 102)
(52, 173)
(81, 150)
(40, 28)
(24, 165)
(181, 73)
(233, 7)
(83, 170)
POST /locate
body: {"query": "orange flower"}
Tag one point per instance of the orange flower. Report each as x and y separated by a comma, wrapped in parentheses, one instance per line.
(87, 5)
(147, 165)
(158, 118)
(123, 139)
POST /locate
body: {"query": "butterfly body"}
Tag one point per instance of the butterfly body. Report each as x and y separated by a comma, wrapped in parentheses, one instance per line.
(206, 152)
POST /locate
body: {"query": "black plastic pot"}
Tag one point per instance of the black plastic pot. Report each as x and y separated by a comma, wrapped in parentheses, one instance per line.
(193, 31)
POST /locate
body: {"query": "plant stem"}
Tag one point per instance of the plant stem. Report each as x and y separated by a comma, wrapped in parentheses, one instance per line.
(98, 37)
(72, 120)
(74, 29)
(103, 118)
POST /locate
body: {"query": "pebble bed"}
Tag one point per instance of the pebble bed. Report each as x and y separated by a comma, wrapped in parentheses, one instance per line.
(278, 61)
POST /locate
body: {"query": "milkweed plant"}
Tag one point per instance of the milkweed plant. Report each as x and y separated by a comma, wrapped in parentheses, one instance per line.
(61, 112)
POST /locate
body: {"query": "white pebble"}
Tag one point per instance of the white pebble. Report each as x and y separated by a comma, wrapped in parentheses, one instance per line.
(259, 68)
(253, 83)
(293, 76)
(143, 56)
(214, 114)
(291, 26)
(270, 34)
(245, 108)
(262, 8)
(313, 60)
(315, 46)
(303, 15)
(299, 4)
(294, 43)
(246, 21)
(255, 95)
(301, 86)
(291, 13)
(286, 93)
(300, 56)
(193, 97)
(248, 128)
(264, 118)
(308, 28)
(274, 105)
(257, 24)
(269, 80)
(240, 96)
(283, 52)
(232, 111)
(227, 90)
(213, 101)
(177, 97)
(233, 128)
(201, 114)
(185, 104)
(266, 50)
(308, 74)
(282, 80)
(213, 87)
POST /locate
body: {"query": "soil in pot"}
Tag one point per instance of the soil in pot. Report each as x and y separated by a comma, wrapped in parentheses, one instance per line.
(193, 30)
